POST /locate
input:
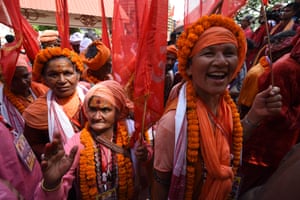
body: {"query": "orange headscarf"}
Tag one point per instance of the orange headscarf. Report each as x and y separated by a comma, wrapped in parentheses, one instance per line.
(102, 55)
(212, 36)
(172, 49)
(113, 92)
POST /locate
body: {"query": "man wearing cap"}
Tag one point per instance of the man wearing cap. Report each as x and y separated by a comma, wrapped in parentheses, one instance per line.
(75, 40)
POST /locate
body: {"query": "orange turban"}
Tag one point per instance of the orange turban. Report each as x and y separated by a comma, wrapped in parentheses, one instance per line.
(96, 55)
(113, 92)
(172, 49)
(212, 36)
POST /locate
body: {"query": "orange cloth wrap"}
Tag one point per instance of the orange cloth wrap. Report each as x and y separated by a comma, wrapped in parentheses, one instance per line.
(212, 36)
(113, 92)
(172, 49)
(100, 58)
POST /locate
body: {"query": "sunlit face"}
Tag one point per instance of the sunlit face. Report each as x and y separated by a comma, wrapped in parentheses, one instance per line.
(21, 81)
(101, 115)
(60, 75)
(211, 69)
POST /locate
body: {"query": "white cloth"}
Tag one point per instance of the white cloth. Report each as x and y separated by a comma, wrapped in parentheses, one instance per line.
(76, 38)
(180, 134)
(58, 121)
(85, 42)
(10, 113)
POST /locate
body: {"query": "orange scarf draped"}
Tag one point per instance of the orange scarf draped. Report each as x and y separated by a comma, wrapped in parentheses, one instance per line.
(214, 147)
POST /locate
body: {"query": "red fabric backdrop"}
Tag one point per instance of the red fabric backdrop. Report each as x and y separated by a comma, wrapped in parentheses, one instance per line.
(139, 54)
(194, 9)
(62, 20)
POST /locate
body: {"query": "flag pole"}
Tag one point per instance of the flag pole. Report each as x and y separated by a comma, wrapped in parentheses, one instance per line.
(263, 3)
(143, 119)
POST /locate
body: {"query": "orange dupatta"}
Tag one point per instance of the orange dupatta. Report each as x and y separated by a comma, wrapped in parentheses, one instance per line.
(215, 151)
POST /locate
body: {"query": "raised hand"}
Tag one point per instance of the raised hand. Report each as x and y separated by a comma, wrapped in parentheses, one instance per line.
(266, 103)
(55, 163)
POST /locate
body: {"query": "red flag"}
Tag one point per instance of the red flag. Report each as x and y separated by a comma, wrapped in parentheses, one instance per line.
(62, 20)
(139, 44)
(30, 43)
(150, 66)
(105, 36)
(10, 16)
(124, 40)
(194, 9)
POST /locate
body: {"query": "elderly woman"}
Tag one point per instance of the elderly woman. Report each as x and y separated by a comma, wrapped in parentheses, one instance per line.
(59, 111)
(102, 165)
(199, 138)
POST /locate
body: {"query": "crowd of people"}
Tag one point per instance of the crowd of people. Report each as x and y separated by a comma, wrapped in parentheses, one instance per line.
(230, 126)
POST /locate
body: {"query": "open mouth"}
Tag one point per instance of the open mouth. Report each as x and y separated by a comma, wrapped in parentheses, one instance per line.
(217, 75)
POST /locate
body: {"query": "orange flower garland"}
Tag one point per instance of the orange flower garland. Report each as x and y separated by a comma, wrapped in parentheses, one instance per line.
(87, 166)
(14, 100)
(91, 79)
(87, 172)
(193, 147)
(237, 135)
(193, 141)
(47, 54)
(125, 169)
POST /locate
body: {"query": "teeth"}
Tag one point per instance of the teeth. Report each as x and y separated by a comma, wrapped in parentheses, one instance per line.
(217, 74)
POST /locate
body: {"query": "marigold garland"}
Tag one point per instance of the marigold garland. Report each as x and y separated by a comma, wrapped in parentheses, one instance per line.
(87, 172)
(193, 146)
(49, 53)
(14, 100)
(91, 79)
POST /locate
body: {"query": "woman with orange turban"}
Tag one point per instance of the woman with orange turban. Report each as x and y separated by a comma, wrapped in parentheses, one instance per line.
(199, 139)
(60, 109)
(103, 162)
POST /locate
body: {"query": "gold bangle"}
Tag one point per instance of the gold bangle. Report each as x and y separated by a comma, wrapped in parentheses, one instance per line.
(52, 189)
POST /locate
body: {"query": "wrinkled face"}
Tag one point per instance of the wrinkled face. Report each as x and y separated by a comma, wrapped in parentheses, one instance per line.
(171, 59)
(61, 77)
(101, 115)
(211, 69)
(21, 81)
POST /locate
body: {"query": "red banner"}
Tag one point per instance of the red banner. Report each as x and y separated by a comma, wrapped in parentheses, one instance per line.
(30, 42)
(10, 16)
(194, 9)
(62, 20)
(139, 49)
(105, 36)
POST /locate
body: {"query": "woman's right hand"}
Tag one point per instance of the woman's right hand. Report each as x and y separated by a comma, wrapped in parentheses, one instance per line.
(55, 163)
